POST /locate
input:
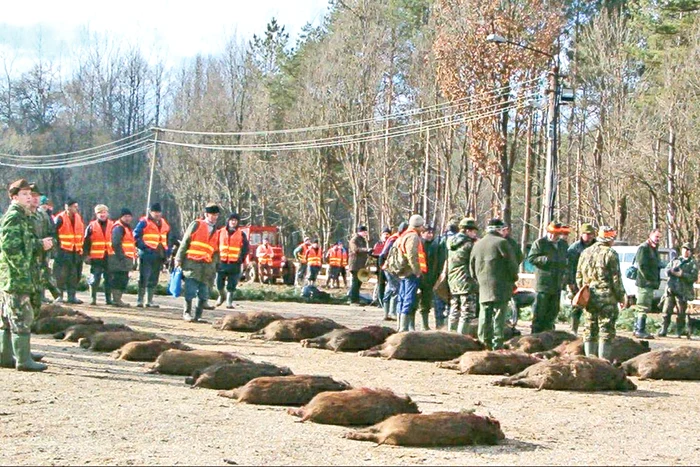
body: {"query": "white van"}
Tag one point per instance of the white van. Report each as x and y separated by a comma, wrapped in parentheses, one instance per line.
(627, 254)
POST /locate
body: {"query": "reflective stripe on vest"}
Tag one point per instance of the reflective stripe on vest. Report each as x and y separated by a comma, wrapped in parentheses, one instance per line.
(100, 242)
(128, 243)
(302, 255)
(70, 236)
(202, 246)
(421, 251)
(314, 256)
(335, 257)
(230, 245)
(154, 235)
(264, 255)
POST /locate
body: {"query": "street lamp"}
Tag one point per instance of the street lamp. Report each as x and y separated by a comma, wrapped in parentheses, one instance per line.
(554, 97)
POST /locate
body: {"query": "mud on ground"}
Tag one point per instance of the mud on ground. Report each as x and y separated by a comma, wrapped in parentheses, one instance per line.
(90, 408)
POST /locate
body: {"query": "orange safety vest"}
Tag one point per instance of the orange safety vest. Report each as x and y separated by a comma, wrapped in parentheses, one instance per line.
(264, 254)
(100, 242)
(394, 237)
(335, 257)
(304, 249)
(154, 235)
(202, 245)
(314, 256)
(422, 262)
(230, 245)
(128, 242)
(344, 254)
(70, 235)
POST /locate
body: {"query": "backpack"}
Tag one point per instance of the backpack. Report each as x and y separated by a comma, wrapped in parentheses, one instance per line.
(395, 261)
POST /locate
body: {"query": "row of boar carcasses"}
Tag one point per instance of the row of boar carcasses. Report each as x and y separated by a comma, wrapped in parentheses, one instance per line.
(549, 360)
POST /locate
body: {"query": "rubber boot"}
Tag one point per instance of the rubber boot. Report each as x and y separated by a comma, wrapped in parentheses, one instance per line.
(403, 323)
(641, 328)
(575, 321)
(139, 298)
(59, 299)
(117, 299)
(73, 299)
(7, 359)
(198, 311)
(187, 312)
(222, 297)
(93, 295)
(452, 323)
(664, 326)
(411, 321)
(605, 350)
(387, 307)
(229, 301)
(149, 298)
(590, 348)
(108, 296)
(392, 307)
(23, 355)
(426, 320)
(462, 326)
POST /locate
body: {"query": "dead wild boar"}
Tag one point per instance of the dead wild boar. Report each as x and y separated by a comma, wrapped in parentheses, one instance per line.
(54, 324)
(435, 429)
(77, 331)
(147, 351)
(184, 363)
(296, 329)
(49, 310)
(284, 390)
(540, 342)
(246, 321)
(350, 340)
(681, 363)
(491, 362)
(622, 349)
(577, 373)
(425, 345)
(231, 375)
(362, 406)
(112, 340)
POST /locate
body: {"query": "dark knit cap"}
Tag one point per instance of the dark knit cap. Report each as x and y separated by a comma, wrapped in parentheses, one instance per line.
(155, 207)
(125, 212)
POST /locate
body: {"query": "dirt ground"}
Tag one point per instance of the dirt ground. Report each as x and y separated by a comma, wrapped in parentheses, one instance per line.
(89, 408)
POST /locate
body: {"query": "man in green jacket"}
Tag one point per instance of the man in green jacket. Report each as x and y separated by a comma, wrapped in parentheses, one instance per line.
(548, 255)
(648, 280)
(463, 286)
(682, 274)
(43, 227)
(495, 268)
(20, 281)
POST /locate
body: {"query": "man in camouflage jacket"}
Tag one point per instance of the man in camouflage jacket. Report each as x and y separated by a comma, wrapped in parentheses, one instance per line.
(43, 227)
(682, 274)
(599, 268)
(19, 278)
(573, 254)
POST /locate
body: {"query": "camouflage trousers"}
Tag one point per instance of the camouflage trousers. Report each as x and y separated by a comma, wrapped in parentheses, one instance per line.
(600, 322)
(18, 311)
(462, 308)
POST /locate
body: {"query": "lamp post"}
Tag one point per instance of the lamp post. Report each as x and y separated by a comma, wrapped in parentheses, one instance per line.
(550, 187)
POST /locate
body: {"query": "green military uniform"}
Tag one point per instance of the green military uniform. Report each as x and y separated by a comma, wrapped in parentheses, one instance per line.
(679, 290)
(549, 259)
(648, 280)
(573, 254)
(599, 268)
(43, 228)
(463, 287)
(19, 283)
(428, 280)
(495, 268)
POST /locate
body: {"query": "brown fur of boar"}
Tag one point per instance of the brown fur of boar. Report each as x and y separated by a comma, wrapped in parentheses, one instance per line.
(77, 331)
(577, 373)
(425, 345)
(147, 351)
(234, 374)
(622, 349)
(246, 321)
(681, 363)
(55, 324)
(284, 390)
(435, 429)
(112, 340)
(184, 363)
(362, 406)
(296, 329)
(540, 342)
(350, 340)
(49, 310)
(491, 362)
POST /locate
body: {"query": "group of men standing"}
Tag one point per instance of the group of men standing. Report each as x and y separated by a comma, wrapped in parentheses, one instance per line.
(310, 256)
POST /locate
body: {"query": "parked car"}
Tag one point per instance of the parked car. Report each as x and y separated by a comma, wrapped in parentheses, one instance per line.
(627, 254)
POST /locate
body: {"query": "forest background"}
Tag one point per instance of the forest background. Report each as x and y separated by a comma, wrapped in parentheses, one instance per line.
(455, 126)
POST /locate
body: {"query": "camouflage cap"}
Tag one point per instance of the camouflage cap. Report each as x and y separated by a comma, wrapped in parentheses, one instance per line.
(587, 229)
(468, 223)
(687, 246)
(19, 185)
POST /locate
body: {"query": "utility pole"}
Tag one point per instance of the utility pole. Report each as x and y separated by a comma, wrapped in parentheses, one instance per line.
(550, 186)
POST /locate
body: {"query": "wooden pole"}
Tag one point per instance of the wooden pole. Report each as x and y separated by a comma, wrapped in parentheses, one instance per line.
(153, 170)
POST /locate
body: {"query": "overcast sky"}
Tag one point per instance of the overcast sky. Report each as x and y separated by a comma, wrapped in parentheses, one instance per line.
(174, 29)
